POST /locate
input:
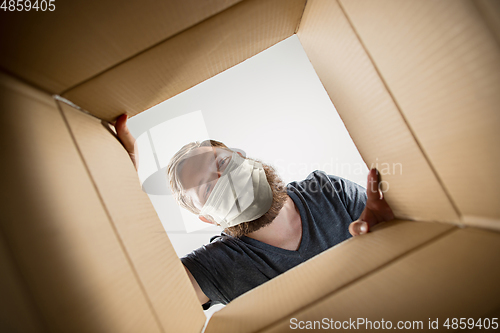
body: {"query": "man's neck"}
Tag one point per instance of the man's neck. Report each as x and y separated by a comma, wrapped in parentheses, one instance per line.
(285, 231)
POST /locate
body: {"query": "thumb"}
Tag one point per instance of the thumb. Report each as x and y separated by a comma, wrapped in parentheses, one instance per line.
(373, 186)
(358, 227)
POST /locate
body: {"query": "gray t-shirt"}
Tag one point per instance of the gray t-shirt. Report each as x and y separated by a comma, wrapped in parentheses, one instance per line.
(228, 266)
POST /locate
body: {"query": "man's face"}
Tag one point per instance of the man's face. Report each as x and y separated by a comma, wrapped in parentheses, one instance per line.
(200, 172)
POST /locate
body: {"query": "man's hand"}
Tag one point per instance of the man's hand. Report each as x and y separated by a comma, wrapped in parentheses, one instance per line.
(376, 210)
(127, 140)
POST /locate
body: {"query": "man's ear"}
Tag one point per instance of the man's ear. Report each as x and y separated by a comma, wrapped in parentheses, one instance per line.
(204, 219)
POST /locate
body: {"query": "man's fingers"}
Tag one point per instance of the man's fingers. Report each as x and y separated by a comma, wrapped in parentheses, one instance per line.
(373, 190)
(358, 227)
(121, 124)
(123, 133)
(376, 210)
(127, 140)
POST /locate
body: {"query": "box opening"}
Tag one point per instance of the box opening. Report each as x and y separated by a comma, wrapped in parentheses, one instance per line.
(272, 107)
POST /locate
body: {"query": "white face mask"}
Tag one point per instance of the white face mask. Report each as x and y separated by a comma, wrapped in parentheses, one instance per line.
(241, 194)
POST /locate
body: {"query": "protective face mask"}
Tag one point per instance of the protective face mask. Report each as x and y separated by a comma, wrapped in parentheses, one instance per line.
(241, 194)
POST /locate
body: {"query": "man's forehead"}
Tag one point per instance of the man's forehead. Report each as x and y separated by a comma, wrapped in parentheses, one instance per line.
(200, 151)
(196, 166)
(193, 159)
(205, 153)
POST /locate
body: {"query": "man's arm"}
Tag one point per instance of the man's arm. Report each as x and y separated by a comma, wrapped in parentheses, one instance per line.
(201, 295)
(128, 142)
(376, 210)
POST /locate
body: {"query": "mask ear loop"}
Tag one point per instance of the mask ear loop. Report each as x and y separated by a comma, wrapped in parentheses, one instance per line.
(211, 219)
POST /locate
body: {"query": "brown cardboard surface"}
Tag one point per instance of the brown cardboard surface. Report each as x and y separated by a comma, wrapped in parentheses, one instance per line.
(415, 82)
(326, 273)
(139, 229)
(188, 58)
(17, 310)
(455, 276)
(441, 63)
(54, 225)
(371, 115)
(56, 50)
(490, 9)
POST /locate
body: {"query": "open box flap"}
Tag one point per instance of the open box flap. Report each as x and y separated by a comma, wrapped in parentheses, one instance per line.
(57, 50)
(417, 87)
(143, 238)
(72, 270)
(441, 63)
(370, 114)
(325, 274)
(186, 59)
(453, 278)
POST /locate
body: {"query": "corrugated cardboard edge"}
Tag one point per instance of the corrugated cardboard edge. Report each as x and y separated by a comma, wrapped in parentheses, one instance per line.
(481, 222)
(301, 16)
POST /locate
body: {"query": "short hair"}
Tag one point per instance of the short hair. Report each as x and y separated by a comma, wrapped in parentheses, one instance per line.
(173, 171)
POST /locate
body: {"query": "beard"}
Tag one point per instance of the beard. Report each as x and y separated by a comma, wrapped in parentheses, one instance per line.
(279, 198)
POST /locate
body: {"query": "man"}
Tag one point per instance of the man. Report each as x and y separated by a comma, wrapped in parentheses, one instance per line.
(268, 227)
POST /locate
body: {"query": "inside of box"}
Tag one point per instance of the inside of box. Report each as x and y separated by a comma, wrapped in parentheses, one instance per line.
(414, 82)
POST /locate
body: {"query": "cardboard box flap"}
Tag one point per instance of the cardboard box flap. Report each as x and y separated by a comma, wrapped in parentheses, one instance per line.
(56, 50)
(441, 63)
(371, 115)
(60, 238)
(455, 276)
(188, 58)
(157, 266)
(322, 275)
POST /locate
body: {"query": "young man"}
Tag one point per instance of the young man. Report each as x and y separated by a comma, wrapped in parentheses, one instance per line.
(268, 227)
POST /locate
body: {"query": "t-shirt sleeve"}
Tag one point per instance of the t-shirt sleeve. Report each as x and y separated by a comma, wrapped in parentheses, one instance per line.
(203, 266)
(215, 265)
(353, 196)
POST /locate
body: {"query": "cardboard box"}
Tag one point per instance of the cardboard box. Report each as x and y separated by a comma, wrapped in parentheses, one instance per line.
(416, 82)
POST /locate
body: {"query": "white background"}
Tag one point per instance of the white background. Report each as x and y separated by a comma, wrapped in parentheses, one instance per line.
(273, 106)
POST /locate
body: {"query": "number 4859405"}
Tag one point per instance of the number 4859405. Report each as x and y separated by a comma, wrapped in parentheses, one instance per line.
(470, 323)
(27, 5)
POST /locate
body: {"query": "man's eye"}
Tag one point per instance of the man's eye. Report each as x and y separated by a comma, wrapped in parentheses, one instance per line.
(222, 162)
